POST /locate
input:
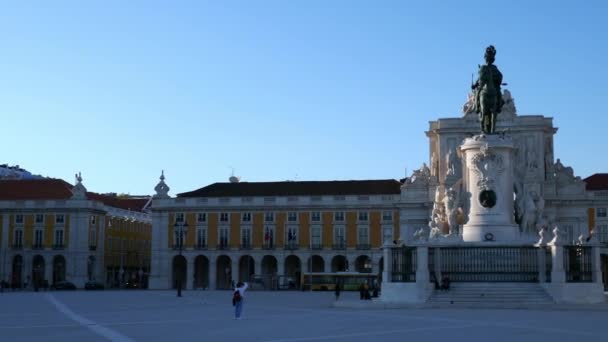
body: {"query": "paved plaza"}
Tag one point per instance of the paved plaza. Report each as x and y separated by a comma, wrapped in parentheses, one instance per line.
(272, 316)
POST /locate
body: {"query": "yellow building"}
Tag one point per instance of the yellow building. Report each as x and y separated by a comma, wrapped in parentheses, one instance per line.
(597, 187)
(51, 231)
(270, 232)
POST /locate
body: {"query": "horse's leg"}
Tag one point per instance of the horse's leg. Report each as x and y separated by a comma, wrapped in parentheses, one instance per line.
(494, 117)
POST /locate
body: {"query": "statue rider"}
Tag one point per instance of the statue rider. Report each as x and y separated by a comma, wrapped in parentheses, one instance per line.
(488, 96)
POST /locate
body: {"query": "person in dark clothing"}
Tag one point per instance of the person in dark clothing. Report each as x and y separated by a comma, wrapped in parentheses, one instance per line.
(361, 291)
(337, 289)
(434, 279)
(445, 283)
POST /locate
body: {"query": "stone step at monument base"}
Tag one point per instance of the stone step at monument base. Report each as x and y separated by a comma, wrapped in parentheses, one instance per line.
(492, 293)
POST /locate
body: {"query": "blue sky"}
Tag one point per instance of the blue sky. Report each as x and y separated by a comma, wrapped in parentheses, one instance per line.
(277, 90)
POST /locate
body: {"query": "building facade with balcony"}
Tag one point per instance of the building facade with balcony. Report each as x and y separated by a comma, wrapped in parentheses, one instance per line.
(52, 231)
(270, 231)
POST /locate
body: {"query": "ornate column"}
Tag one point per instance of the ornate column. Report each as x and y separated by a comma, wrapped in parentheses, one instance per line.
(422, 265)
(257, 262)
(159, 254)
(160, 260)
(212, 275)
(190, 273)
(488, 182)
(5, 269)
(387, 262)
(234, 271)
(558, 274)
(281, 266)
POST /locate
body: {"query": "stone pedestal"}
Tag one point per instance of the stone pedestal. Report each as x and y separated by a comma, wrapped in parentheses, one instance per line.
(488, 184)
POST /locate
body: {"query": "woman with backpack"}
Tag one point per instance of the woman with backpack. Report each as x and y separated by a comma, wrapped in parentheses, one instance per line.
(237, 298)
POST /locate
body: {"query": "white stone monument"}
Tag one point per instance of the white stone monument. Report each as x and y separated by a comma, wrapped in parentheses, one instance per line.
(488, 181)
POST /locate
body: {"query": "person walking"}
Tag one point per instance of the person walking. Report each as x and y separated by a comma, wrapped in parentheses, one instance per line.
(337, 290)
(238, 298)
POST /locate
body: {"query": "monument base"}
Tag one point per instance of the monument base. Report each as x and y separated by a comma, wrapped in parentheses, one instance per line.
(406, 292)
(502, 233)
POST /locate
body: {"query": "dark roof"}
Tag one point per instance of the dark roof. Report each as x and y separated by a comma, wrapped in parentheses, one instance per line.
(305, 188)
(35, 189)
(127, 203)
(597, 181)
(58, 189)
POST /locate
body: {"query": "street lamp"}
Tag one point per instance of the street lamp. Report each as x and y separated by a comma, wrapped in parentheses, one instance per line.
(180, 230)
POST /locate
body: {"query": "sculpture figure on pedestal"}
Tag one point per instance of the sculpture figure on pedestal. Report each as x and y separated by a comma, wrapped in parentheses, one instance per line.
(450, 201)
(530, 214)
(558, 236)
(488, 96)
(435, 231)
(451, 163)
(434, 165)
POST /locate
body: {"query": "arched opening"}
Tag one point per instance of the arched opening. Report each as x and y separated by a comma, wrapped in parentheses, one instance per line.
(58, 269)
(180, 267)
(246, 268)
(17, 274)
(316, 264)
(38, 265)
(338, 263)
(293, 267)
(363, 264)
(269, 272)
(201, 272)
(223, 272)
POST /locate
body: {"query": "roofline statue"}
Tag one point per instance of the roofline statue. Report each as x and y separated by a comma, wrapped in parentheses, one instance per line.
(488, 96)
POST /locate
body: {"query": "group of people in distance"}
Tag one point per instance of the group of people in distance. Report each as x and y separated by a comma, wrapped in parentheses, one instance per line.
(445, 283)
(365, 292)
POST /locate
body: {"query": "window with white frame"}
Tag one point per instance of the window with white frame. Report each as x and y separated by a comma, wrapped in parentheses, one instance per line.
(363, 216)
(201, 217)
(179, 236)
(224, 217)
(223, 237)
(315, 216)
(58, 238)
(292, 216)
(363, 235)
(201, 237)
(246, 217)
(387, 234)
(38, 238)
(268, 237)
(93, 219)
(18, 238)
(246, 237)
(315, 236)
(339, 216)
(601, 212)
(19, 219)
(92, 239)
(602, 232)
(269, 216)
(387, 216)
(339, 236)
(59, 219)
(179, 218)
(292, 235)
(39, 218)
